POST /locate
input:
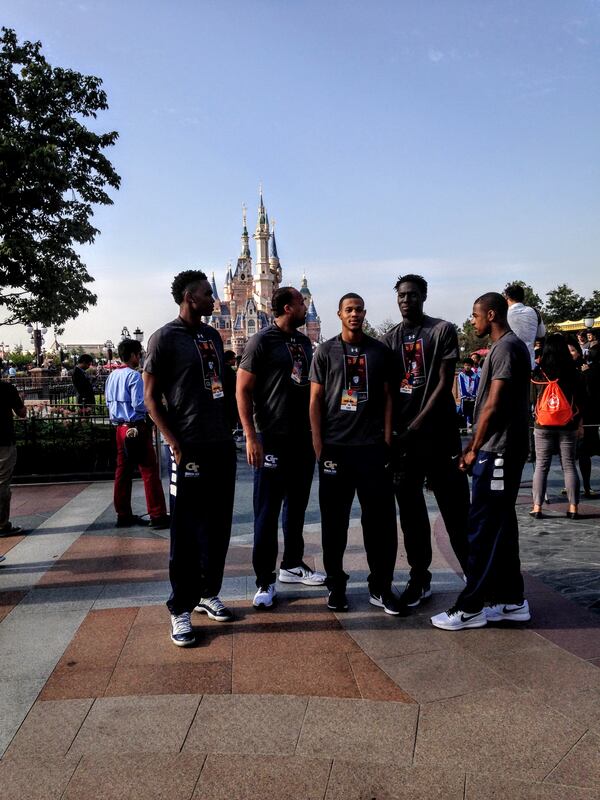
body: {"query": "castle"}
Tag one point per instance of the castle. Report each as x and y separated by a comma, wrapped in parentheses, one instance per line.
(246, 305)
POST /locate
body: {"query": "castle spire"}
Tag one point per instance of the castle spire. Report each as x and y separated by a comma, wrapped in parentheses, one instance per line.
(245, 252)
(273, 242)
(214, 287)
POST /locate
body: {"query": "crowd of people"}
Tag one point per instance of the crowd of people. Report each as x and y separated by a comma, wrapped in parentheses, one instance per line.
(379, 419)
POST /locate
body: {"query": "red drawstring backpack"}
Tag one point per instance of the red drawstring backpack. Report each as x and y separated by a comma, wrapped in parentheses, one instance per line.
(552, 408)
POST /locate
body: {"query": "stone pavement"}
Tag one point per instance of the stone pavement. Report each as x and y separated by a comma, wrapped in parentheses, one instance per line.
(95, 702)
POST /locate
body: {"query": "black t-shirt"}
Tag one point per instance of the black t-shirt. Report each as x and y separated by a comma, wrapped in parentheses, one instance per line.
(352, 376)
(10, 400)
(281, 363)
(418, 355)
(188, 364)
(83, 386)
(508, 360)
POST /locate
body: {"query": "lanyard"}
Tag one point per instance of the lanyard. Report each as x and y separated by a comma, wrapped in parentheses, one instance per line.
(352, 368)
(412, 352)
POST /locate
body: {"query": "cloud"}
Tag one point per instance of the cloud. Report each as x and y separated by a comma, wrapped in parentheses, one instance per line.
(435, 55)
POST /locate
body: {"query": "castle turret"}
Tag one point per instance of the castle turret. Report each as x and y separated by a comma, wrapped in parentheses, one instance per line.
(305, 291)
(263, 277)
(274, 264)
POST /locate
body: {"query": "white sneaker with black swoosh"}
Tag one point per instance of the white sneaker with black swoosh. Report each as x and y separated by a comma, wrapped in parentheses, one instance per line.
(455, 619)
(511, 611)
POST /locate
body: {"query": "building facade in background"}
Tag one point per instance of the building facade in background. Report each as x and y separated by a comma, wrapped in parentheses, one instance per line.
(246, 307)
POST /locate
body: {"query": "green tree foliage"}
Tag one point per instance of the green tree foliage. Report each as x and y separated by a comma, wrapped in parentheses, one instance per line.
(531, 297)
(591, 307)
(52, 172)
(563, 304)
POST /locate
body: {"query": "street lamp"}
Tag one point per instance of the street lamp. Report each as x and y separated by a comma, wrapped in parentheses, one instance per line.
(108, 346)
(37, 339)
(589, 322)
(125, 333)
(138, 335)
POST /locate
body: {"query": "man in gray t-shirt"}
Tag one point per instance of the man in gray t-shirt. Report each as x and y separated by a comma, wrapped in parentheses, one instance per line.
(496, 455)
(350, 414)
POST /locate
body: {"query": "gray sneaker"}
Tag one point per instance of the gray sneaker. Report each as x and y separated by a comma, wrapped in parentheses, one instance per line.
(302, 574)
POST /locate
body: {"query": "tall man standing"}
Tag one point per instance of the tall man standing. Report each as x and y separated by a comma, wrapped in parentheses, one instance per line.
(523, 320)
(81, 382)
(273, 393)
(351, 421)
(124, 394)
(184, 364)
(496, 455)
(427, 443)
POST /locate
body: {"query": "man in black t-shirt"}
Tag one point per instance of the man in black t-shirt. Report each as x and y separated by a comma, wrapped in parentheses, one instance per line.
(426, 443)
(10, 403)
(273, 393)
(81, 382)
(184, 363)
(350, 414)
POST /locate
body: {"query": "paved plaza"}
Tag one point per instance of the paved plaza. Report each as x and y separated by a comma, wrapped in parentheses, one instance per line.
(298, 702)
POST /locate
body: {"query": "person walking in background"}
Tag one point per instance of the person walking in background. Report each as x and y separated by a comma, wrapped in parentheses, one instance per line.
(468, 383)
(351, 422)
(184, 363)
(273, 393)
(522, 320)
(496, 456)
(81, 382)
(11, 404)
(124, 394)
(426, 442)
(556, 428)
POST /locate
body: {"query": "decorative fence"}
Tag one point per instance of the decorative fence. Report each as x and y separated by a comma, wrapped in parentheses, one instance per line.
(53, 390)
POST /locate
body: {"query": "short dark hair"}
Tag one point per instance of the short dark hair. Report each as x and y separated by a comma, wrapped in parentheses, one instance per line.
(515, 292)
(493, 301)
(282, 297)
(229, 354)
(350, 296)
(85, 358)
(127, 347)
(410, 278)
(184, 281)
(468, 361)
(583, 333)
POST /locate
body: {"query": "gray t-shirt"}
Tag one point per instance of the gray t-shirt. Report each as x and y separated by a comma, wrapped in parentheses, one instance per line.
(418, 355)
(188, 363)
(281, 362)
(508, 360)
(355, 376)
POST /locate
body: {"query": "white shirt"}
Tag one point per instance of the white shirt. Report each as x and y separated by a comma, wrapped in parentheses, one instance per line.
(523, 322)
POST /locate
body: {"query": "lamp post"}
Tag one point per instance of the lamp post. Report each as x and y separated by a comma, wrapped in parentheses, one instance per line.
(589, 322)
(125, 333)
(138, 334)
(37, 339)
(3, 349)
(108, 346)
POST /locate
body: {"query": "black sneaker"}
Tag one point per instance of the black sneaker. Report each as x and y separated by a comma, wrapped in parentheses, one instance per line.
(337, 600)
(182, 633)
(160, 523)
(214, 608)
(11, 530)
(131, 521)
(388, 601)
(415, 593)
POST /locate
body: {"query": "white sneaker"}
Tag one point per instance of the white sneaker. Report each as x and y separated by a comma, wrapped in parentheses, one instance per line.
(455, 620)
(265, 596)
(510, 611)
(214, 608)
(302, 574)
(182, 633)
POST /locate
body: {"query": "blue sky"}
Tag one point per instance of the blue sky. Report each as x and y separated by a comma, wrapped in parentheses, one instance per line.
(454, 139)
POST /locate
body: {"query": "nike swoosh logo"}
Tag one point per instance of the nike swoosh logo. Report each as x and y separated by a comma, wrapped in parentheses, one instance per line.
(482, 461)
(467, 617)
(506, 610)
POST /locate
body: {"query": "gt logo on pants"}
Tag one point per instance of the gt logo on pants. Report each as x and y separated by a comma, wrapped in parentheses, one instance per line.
(192, 470)
(270, 461)
(330, 467)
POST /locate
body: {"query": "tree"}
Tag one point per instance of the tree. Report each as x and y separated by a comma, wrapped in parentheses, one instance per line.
(563, 304)
(52, 172)
(531, 298)
(591, 307)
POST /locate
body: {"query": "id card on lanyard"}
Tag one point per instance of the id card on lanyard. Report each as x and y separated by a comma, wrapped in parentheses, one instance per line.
(406, 385)
(210, 366)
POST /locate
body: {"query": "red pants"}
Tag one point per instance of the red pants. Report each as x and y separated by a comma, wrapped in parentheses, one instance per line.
(148, 466)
